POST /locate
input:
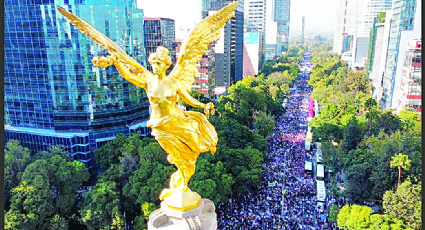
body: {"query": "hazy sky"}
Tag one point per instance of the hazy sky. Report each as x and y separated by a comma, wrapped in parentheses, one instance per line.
(319, 14)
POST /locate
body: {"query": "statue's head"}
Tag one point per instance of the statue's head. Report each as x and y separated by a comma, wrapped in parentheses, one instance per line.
(160, 60)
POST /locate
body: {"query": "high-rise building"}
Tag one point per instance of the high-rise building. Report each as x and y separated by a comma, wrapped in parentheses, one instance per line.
(53, 94)
(302, 31)
(366, 12)
(248, 68)
(270, 51)
(405, 26)
(354, 19)
(251, 46)
(411, 82)
(159, 32)
(378, 47)
(255, 21)
(228, 50)
(345, 27)
(282, 16)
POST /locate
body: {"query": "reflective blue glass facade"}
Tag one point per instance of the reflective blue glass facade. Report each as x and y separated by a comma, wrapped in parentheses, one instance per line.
(53, 94)
(159, 32)
(282, 17)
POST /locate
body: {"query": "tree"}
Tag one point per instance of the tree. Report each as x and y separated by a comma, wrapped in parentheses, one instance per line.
(357, 81)
(101, 206)
(211, 180)
(371, 115)
(154, 153)
(333, 212)
(147, 182)
(351, 135)
(109, 153)
(382, 221)
(58, 223)
(52, 151)
(411, 121)
(32, 204)
(147, 209)
(405, 204)
(245, 166)
(47, 192)
(358, 183)
(354, 217)
(237, 136)
(388, 122)
(65, 179)
(400, 161)
(264, 124)
(16, 158)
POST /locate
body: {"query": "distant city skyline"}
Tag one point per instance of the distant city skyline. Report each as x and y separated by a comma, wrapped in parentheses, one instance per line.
(319, 15)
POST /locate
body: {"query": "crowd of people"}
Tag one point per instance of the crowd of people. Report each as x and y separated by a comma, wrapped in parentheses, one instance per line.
(287, 197)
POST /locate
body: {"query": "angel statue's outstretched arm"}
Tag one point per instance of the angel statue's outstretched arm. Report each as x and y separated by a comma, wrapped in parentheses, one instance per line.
(129, 72)
(186, 97)
(129, 68)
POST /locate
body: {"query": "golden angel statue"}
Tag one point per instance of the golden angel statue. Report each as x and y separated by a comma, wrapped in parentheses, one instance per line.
(182, 134)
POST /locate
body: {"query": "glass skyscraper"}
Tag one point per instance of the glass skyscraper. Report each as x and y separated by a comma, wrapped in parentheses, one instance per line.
(159, 32)
(403, 19)
(53, 93)
(282, 9)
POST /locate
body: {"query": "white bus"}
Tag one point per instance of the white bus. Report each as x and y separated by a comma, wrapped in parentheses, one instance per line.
(309, 137)
(316, 108)
(307, 145)
(320, 173)
(321, 191)
(308, 166)
(319, 156)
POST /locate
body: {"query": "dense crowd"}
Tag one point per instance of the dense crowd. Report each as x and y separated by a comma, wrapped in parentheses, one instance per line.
(287, 197)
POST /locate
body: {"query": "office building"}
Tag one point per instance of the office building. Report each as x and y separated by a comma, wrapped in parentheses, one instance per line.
(53, 93)
(366, 12)
(204, 83)
(411, 82)
(248, 68)
(405, 26)
(345, 26)
(255, 21)
(378, 47)
(354, 19)
(159, 32)
(228, 50)
(270, 51)
(282, 17)
(302, 31)
(252, 47)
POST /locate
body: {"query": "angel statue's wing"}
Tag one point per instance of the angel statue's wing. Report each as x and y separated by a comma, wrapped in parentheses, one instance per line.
(197, 44)
(102, 40)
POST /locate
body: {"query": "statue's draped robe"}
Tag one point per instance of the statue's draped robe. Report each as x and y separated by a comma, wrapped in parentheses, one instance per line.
(184, 137)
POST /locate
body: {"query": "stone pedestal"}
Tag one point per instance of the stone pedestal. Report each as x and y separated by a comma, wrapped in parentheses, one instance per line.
(203, 217)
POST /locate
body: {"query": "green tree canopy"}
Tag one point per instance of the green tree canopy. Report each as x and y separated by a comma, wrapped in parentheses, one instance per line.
(405, 204)
(264, 124)
(400, 161)
(16, 159)
(101, 206)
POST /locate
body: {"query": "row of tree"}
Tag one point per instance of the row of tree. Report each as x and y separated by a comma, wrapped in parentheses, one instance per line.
(361, 141)
(43, 191)
(402, 211)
